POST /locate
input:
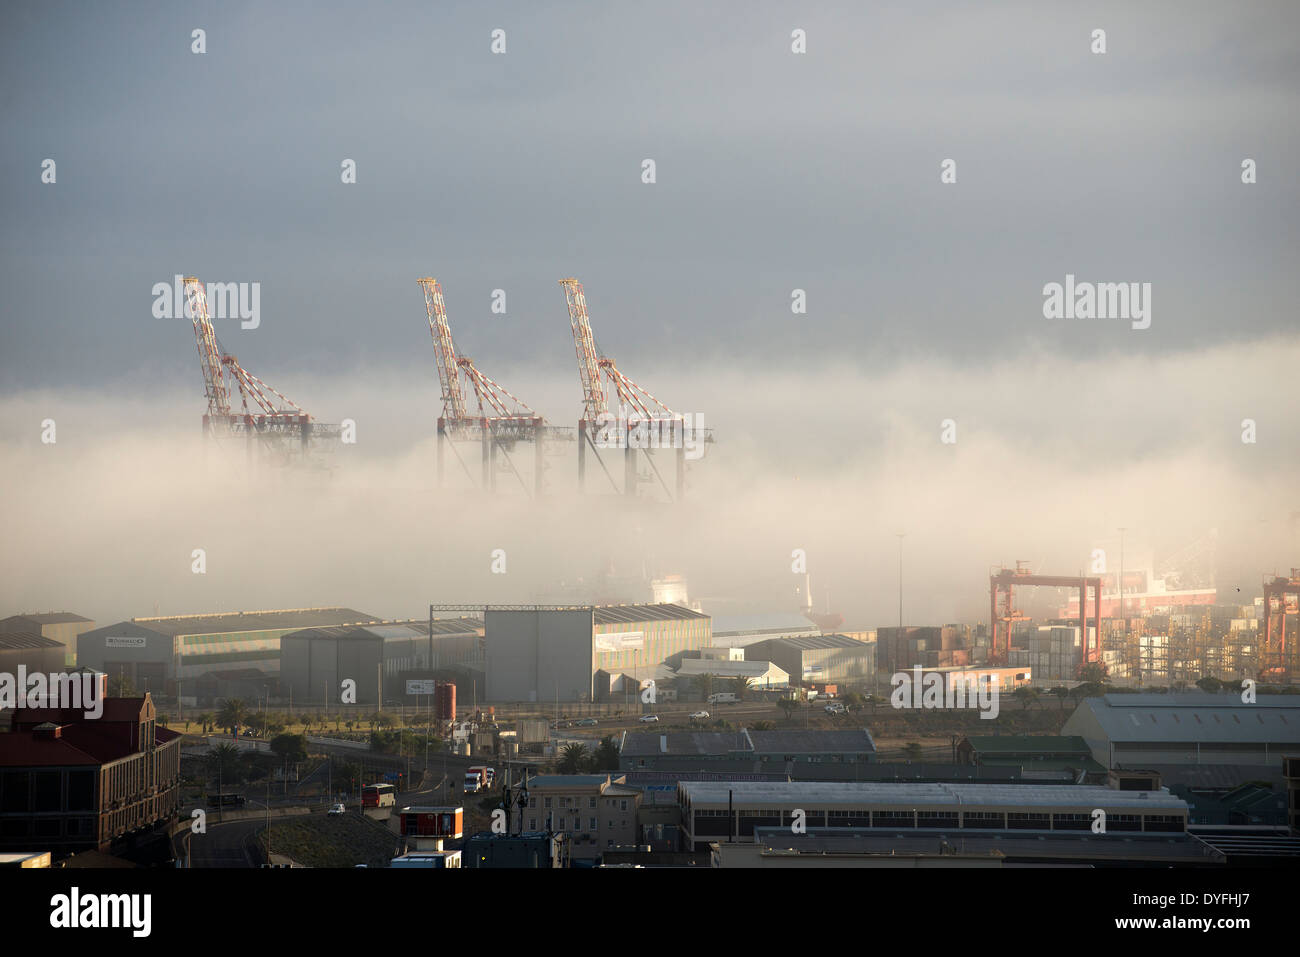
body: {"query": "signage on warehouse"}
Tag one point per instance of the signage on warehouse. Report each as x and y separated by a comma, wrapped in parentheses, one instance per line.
(620, 641)
(420, 686)
(125, 642)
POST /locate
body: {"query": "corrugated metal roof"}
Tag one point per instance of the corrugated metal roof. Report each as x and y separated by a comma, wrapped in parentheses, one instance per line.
(395, 630)
(628, 614)
(247, 621)
(801, 794)
(48, 618)
(1198, 719)
(793, 741)
(816, 642)
(1029, 744)
(15, 640)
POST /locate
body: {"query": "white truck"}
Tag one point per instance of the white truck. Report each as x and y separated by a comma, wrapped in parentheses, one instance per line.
(723, 697)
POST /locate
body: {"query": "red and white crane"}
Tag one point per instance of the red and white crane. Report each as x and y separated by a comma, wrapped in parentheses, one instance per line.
(501, 418)
(639, 421)
(260, 414)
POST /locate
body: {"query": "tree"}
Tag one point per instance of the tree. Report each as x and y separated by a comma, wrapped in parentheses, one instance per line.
(120, 686)
(1061, 693)
(1093, 673)
(205, 721)
(704, 684)
(741, 685)
(912, 751)
(1211, 684)
(290, 747)
(224, 765)
(233, 713)
(788, 705)
(605, 757)
(574, 758)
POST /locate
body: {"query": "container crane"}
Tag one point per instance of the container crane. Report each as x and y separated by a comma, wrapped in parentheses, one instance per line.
(500, 419)
(638, 413)
(261, 417)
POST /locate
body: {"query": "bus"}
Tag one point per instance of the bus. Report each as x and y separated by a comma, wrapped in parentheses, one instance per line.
(226, 800)
(378, 795)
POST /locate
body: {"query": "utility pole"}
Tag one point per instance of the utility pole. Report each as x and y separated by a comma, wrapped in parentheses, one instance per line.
(900, 585)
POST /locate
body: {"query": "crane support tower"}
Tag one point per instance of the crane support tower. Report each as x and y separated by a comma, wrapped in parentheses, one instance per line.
(1002, 610)
(498, 422)
(639, 422)
(285, 431)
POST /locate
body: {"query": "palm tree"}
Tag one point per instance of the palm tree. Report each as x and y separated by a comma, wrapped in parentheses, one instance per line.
(224, 763)
(205, 721)
(574, 758)
(234, 712)
(741, 685)
(705, 683)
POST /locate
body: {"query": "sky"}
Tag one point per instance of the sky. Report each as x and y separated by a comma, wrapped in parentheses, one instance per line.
(774, 172)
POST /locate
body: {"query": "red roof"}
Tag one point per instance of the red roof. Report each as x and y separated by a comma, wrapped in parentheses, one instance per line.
(26, 749)
(115, 709)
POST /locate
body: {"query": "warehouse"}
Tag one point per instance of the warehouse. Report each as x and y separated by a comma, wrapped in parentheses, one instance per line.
(315, 661)
(778, 749)
(59, 626)
(819, 658)
(34, 652)
(156, 653)
(552, 652)
(760, 674)
(713, 811)
(1168, 730)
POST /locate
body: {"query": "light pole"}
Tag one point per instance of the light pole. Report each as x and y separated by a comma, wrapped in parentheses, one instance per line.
(900, 584)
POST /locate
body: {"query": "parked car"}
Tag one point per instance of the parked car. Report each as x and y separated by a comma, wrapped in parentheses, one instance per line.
(835, 708)
(699, 715)
(586, 723)
(338, 809)
(649, 719)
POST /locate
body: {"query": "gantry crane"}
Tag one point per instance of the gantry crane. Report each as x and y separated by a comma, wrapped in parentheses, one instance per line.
(265, 419)
(500, 420)
(1276, 660)
(639, 422)
(1002, 610)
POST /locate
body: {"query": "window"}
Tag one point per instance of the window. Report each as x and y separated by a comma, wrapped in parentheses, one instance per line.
(595, 825)
(548, 802)
(622, 805)
(591, 802)
(532, 824)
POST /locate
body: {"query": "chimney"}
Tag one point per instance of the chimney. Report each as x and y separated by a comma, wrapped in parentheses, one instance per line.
(47, 731)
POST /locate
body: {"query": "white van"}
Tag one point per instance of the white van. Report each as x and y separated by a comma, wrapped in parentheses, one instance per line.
(723, 697)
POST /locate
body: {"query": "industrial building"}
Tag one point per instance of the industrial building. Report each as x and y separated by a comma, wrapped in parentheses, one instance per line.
(69, 783)
(1165, 731)
(1033, 752)
(780, 750)
(819, 658)
(162, 655)
(743, 630)
(760, 674)
(29, 650)
(552, 653)
(595, 811)
(315, 661)
(732, 810)
(59, 626)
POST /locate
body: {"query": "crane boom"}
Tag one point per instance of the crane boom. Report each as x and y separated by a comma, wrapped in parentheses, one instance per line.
(593, 389)
(214, 382)
(453, 401)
